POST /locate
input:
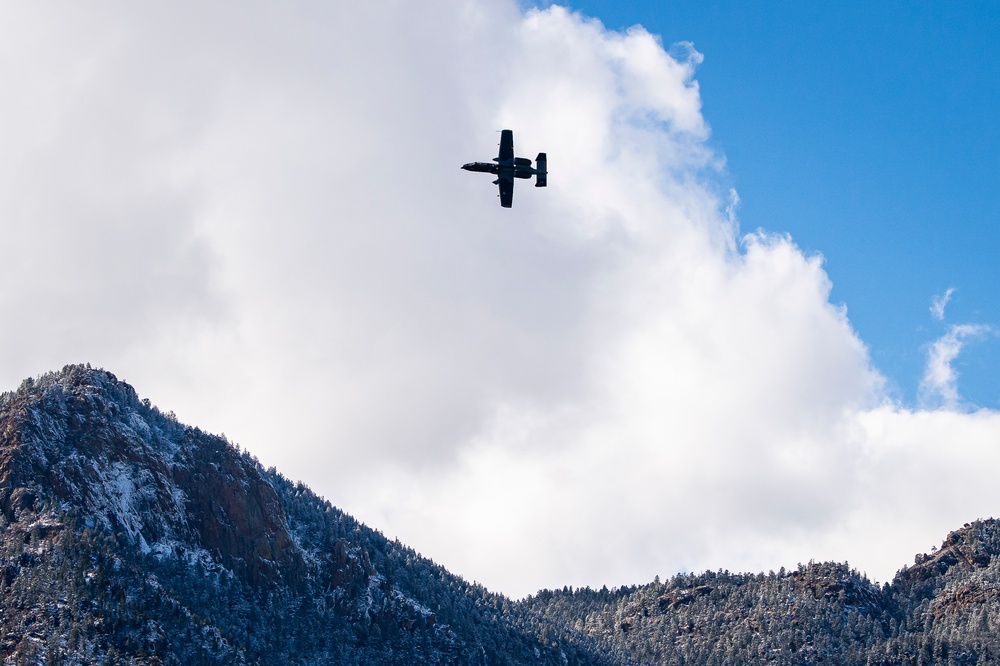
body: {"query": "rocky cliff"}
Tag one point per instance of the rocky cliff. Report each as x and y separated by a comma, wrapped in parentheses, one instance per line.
(83, 439)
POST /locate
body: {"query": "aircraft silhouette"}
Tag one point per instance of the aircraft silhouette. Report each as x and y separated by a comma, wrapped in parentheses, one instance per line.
(507, 168)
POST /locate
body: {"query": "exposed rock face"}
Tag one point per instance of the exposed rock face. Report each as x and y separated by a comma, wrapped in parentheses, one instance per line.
(680, 597)
(968, 549)
(960, 582)
(81, 438)
(966, 597)
(850, 590)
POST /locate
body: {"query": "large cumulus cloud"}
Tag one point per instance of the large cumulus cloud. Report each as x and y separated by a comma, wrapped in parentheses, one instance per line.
(255, 214)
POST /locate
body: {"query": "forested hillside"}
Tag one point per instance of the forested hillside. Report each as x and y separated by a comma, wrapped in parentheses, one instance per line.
(129, 538)
(945, 609)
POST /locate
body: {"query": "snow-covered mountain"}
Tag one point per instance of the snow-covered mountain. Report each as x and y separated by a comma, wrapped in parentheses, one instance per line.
(82, 440)
(127, 537)
(125, 531)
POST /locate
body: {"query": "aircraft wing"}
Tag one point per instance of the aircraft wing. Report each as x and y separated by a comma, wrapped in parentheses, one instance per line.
(506, 191)
(506, 146)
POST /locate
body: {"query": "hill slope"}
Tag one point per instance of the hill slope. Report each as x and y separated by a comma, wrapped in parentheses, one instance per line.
(943, 610)
(126, 537)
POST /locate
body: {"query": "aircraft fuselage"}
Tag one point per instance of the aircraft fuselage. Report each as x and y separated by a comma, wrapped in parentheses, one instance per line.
(515, 170)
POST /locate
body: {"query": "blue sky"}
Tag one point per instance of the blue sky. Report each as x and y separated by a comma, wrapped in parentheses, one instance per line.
(870, 132)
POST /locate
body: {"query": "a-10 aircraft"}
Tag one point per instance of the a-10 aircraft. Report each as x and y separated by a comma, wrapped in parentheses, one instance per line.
(507, 168)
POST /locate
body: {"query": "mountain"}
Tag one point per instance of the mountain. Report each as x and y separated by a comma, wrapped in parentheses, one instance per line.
(129, 538)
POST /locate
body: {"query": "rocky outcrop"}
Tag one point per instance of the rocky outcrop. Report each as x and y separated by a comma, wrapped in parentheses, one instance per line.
(235, 513)
(958, 583)
(965, 597)
(680, 597)
(82, 438)
(835, 583)
(970, 548)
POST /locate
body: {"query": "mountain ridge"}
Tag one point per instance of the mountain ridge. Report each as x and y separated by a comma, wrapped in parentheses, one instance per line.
(127, 537)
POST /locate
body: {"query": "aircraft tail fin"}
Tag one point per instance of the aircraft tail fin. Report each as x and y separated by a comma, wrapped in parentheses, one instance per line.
(541, 166)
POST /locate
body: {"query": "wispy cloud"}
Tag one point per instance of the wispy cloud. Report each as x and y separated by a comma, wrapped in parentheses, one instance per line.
(939, 386)
(938, 304)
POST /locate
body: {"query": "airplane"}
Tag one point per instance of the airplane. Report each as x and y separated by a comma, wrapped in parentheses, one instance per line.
(507, 168)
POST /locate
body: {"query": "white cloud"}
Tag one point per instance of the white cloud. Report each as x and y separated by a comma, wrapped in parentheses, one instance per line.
(939, 386)
(938, 304)
(255, 214)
